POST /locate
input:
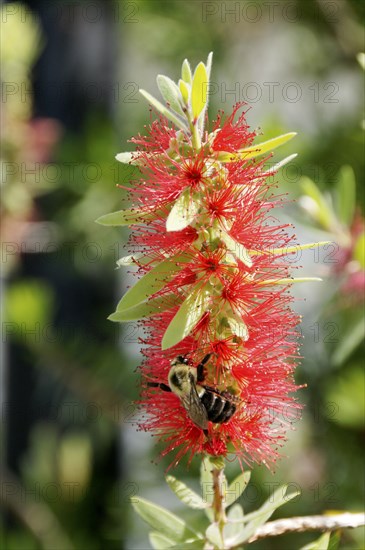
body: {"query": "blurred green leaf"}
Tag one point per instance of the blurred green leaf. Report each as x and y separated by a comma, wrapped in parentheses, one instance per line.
(164, 521)
(325, 542)
(186, 73)
(30, 304)
(185, 494)
(159, 541)
(125, 217)
(236, 248)
(323, 213)
(347, 392)
(214, 536)
(234, 526)
(350, 341)
(236, 488)
(359, 250)
(346, 195)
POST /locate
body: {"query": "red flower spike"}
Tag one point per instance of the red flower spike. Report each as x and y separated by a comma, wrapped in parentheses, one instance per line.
(224, 312)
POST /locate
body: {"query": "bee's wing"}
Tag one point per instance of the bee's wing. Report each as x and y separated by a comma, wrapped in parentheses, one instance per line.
(195, 408)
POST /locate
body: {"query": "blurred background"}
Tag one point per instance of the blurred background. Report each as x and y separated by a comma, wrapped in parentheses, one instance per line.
(71, 457)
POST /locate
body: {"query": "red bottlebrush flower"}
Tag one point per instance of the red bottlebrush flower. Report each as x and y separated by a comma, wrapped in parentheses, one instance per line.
(220, 345)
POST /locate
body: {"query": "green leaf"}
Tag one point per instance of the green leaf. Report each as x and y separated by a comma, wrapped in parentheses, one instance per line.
(164, 111)
(214, 536)
(183, 212)
(238, 327)
(236, 248)
(164, 521)
(234, 526)
(195, 544)
(185, 494)
(256, 150)
(323, 543)
(349, 342)
(346, 195)
(151, 282)
(126, 217)
(290, 280)
(255, 519)
(206, 484)
(199, 91)
(202, 115)
(170, 92)
(288, 249)
(359, 250)
(273, 169)
(323, 214)
(159, 541)
(188, 316)
(236, 488)
(186, 74)
(145, 309)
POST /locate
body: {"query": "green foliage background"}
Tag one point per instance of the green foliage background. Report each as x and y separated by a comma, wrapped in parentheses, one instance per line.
(295, 63)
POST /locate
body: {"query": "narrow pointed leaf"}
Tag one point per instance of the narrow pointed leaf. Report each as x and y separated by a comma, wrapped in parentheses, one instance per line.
(346, 195)
(256, 150)
(288, 249)
(350, 340)
(323, 214)
(199, 91)
(131, 259)
(208, 67)
(146, 309)
(280, 164)
(164, 111)
(163, 521)
(236, 488)
(236, 248)
(185, 494)
(151, 283)
(159, 541)
(183, 212)
(290, 280)
(359, 250)
(126, 217)
(170, 92)
(185, 91)
(265, 146)
(186, 73)
(187, 317)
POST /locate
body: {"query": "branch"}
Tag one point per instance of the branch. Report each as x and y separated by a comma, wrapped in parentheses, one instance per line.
(308, 523)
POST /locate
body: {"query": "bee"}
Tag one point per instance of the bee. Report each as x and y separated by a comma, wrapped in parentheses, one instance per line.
(202, 403)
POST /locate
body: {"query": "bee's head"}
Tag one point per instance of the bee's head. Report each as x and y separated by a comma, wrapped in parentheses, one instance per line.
(181, 377)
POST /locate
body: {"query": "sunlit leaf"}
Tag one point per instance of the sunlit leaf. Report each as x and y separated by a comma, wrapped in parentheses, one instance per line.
(146, 309)
(199, 90)
(184, 89)
(290, 280)
(346, 195)
(256, 150)
(288, 249)
(185, 494)
(151, 282)
(164, 110)
(183, 212)
(187, 317)
(163, 521)
(170, 92)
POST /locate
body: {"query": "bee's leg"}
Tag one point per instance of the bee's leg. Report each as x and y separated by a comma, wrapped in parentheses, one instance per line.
(162, 386)
(200, 368)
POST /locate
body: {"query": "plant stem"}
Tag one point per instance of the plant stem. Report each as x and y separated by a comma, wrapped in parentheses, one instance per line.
(218, 501)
